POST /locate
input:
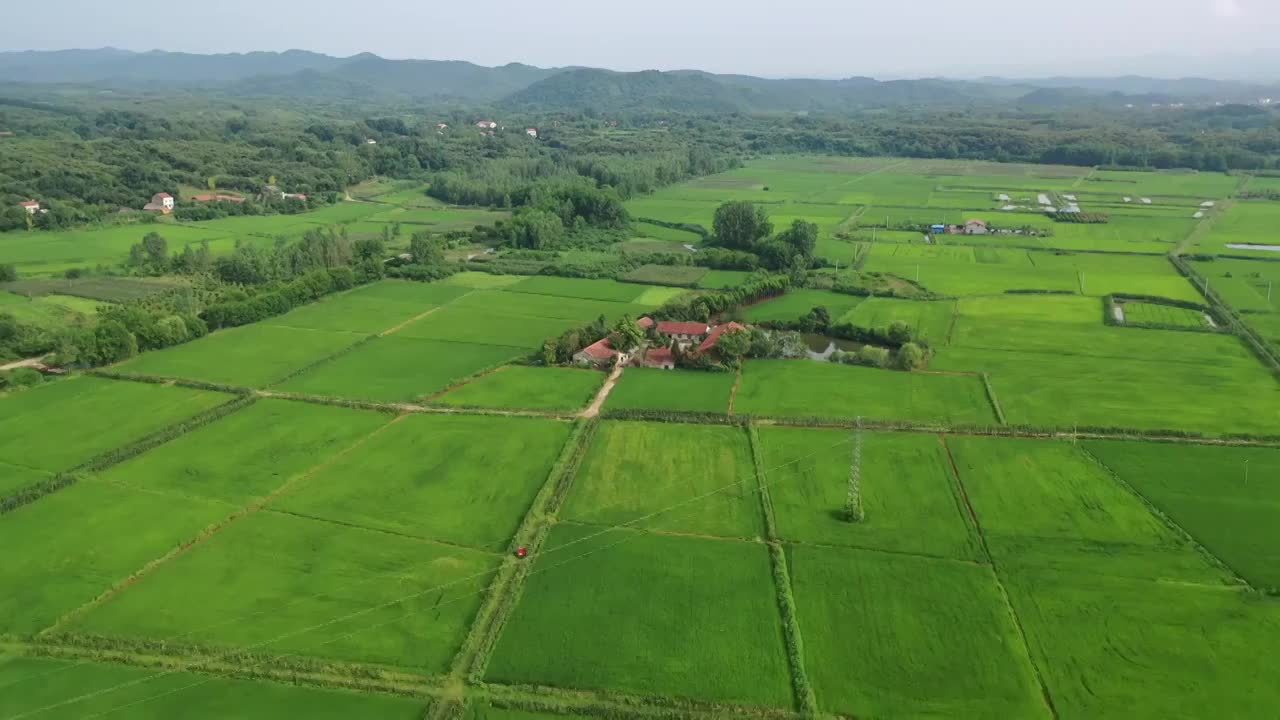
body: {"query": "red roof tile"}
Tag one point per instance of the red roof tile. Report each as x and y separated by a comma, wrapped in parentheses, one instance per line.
(710, 342)
(671, 327)
(659, 355)
(645, 322)
(162, 196)
(600, 350)
(29, 203)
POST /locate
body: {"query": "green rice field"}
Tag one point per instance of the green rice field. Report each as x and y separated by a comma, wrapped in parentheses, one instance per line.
(396, 508)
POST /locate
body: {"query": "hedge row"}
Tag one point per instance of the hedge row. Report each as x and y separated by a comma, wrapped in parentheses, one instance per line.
(1264, 351)
(615, 705)
(179, 382)
(303, 289)
(287, 668)
(991, 396)
(805, 697)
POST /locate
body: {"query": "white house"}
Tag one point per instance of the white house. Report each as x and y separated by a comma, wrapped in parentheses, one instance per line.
(31, 206)
(161, 203)
(975, 227)
(370, 141)
(487, 125)
(531, 132)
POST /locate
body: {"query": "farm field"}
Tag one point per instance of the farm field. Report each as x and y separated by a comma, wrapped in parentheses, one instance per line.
(533, 388)
(108, 689)
(93, 416)
(1226, 498)
(423, 463)
(415, 597)
(1140, 312)
(801, 388)
(665, 615)
(406, 503)
(670, 477)
(654, 389)
(913, 617)
(250, 355)
(797, 303)
(398, 368)
(1136, 648)
(1045, 505)
(1247, 223)
(910, 501)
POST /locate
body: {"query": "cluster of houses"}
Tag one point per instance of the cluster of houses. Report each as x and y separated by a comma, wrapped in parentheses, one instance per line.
(488, 127)
(689, 337)
(971, 227)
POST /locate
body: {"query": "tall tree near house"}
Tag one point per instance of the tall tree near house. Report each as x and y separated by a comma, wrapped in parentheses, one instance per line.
(626, 335)
(733, 345)
(425, 249)
(740, 225)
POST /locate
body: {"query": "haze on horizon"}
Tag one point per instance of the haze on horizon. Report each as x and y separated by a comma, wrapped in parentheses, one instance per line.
(801, 38)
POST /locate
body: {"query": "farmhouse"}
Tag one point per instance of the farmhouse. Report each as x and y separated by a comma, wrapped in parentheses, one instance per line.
(600, 354)
(293, 196)
(660, 357)
(976, 227)
(487, 125)
(683, 333)
(442, 126)
(531, 132)
(715, 334)
(161, 203)
(31, 206)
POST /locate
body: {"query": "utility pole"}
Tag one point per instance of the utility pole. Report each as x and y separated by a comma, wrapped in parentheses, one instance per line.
(1082, 289)
(1246, 473)
(917, 272)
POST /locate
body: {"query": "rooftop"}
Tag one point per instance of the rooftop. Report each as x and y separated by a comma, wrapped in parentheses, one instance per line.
(672, 327)
(719, 330)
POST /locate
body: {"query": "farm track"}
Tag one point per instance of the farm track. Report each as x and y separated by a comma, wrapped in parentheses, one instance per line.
(733, 393)
(602, 395)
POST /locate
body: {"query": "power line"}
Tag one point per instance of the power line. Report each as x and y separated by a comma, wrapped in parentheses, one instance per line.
(397, 601)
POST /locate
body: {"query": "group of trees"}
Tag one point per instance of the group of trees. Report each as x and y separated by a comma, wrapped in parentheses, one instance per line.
(702, 307)
(744, 227)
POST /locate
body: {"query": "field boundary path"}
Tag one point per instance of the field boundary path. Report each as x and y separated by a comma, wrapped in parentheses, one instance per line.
(733, 392)
(29, 362)
(995, 574)
(602, 394)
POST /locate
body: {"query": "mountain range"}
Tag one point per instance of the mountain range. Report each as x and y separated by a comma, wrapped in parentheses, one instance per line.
(303, 74)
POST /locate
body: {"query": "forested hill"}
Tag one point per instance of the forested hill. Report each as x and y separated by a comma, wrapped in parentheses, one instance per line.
(308, 75)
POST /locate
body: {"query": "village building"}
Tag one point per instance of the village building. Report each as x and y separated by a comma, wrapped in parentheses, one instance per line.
(31, 206)
(660, 358)
(976, 227)
(600, 354)
(645, 322)
(684, 334)
(442, 126)
(714, 336)
(531, 132)
(487, 125)
(6, 133)
(216, 197)
(161, 203)
(293, 196)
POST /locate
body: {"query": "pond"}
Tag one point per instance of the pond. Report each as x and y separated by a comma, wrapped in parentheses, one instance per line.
(820, 347)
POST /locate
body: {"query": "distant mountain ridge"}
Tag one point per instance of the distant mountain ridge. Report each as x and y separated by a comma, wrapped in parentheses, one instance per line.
(304, 74)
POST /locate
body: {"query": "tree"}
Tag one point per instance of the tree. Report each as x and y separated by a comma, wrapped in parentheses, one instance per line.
(370, 248)
(150, 256)
(395, 230)
(626, 334)
(426, 250)
(8, 273)
(536, 229)
(740, 225)
(900, 333)
(733, 345)
(909, 357)
(802, 237)
(113, 343)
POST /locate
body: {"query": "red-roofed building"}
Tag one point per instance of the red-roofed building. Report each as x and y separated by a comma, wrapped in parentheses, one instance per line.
(600, 353)
(719, 330)
(660, 358)
(684, 333)
(975, 227)
(161, 203)
(645, 322)
(216, 197)
(31, 206)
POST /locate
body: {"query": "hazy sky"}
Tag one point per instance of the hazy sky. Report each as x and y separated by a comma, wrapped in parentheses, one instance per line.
(825, 38)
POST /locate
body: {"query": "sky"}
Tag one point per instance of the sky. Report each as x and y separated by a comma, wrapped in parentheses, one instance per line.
(780, 38)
